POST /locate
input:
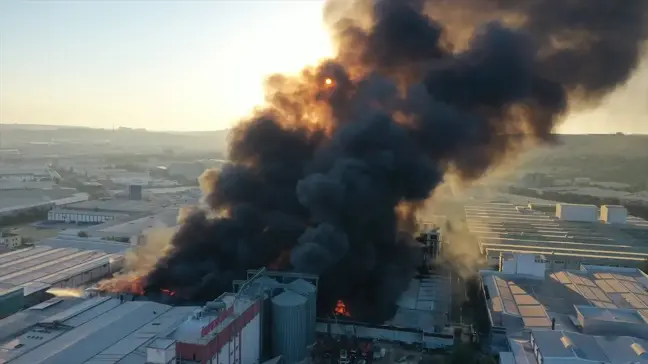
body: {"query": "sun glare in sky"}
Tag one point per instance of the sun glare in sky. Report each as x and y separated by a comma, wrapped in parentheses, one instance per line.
(177, 65)
(156, 65)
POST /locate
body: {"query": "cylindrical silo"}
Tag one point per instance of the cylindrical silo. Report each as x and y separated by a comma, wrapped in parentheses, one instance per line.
(267, 288)
(289, 326)
(310, 292)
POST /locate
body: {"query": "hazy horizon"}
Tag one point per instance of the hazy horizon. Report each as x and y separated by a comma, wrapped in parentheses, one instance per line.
(184, 66)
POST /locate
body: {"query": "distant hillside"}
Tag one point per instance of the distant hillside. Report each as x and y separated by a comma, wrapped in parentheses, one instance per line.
(15, 136)
(608, 158)
(603, 144)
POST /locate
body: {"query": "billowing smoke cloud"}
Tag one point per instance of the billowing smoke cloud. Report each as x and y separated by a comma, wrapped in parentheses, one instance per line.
(318, 176)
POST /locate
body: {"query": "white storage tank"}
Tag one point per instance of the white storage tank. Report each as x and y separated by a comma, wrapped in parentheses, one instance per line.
(578, 213)
(289, 326)
(614, 214)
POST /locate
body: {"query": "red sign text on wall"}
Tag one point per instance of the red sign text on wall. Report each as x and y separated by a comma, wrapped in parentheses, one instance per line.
(217, 321)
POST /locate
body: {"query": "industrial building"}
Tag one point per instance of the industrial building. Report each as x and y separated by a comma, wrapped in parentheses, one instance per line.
(594, 314)
(28, 174)
(97, 330)
(26, 274)
(271, 316)
(563, 234)
(9, 240)
(19, 201)
(132, 230)
(71, 239)
(114, 329)
(100, 211)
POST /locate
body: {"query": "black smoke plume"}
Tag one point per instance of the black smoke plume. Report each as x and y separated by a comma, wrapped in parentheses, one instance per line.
(418, 89)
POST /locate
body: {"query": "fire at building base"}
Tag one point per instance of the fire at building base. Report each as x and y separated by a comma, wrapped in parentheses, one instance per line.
(274, 315)
(270, 316)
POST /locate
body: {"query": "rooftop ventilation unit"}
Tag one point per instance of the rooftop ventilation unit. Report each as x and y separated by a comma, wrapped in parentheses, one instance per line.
(638, 349)
(567, 343)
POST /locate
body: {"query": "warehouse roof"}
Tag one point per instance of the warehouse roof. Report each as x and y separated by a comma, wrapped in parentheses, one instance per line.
(17, 323)
(424, 304)
(518, 302)
(570, 345)
(166, 218)
(73, 241)
(48, 265)
(96, 331)
(518, 228)
(127, 206)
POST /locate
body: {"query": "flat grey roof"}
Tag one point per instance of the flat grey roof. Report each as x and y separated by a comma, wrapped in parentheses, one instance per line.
(137, 226)
(509, 227)
(47, 265)
(75, 242)
(17, 323)
(519, 302)
(424, 304)
(128, 206)
(597, 349)
(97, 331)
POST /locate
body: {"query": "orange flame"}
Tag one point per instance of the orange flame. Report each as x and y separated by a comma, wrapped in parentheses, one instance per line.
(125, 284)
(341, 309)
(282, 260)
(168, 292)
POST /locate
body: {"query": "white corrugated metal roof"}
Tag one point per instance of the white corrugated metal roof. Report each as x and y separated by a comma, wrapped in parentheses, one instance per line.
(38, 267)
(507, 227)
(132, 348)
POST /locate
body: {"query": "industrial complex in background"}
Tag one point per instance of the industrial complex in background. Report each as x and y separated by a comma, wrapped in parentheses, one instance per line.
(566, 235)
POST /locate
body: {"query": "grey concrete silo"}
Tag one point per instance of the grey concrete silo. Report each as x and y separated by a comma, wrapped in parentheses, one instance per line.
(289, 326)
(310, 292)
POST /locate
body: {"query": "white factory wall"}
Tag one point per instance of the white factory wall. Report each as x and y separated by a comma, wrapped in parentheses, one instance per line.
(10, 242)
(573, 212)
(76, 217)
(249, 340)
(614, 214)
(386, 334)
(562, 262)
(525, 264)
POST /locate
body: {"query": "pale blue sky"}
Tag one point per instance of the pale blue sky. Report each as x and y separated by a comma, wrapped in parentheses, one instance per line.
(169, 65)
(181, 65)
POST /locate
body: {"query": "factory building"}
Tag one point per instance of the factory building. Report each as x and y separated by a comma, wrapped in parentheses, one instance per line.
(224, 331)
(32, 271)
(28, 174)
(287, 312)
(134, 230)
(565, 235)
(269, 316)
(594, 314)
(98, 211)
(420, 319)
(93, 331)
(9, 240)
(125, 330)
(20, 201)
